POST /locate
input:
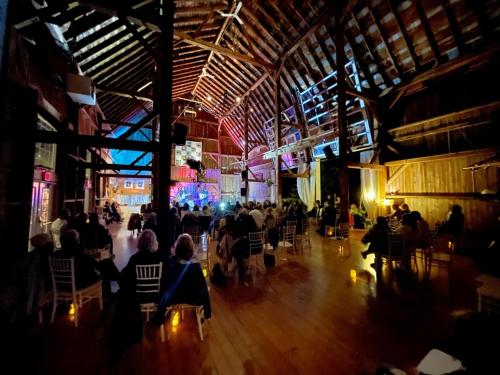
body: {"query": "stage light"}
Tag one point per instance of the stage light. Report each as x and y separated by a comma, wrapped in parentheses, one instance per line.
(222, 206)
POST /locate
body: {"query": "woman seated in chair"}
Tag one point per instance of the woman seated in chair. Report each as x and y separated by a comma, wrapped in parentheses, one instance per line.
(127, 325)
(85, 266)
(95, 235)
(228, 237)
(377, 237)
(87, 269)
(184, 281)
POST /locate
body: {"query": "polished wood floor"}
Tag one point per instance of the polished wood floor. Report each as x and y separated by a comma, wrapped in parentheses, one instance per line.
(308, 315)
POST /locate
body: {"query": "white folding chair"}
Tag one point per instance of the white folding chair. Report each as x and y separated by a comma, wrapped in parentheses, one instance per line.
(181, 308)
(63, 277)
(256, 245)
(148, 278)
(287, 242)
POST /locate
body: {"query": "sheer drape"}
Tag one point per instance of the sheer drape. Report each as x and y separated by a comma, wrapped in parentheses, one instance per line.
(372, 187)
(309, 188)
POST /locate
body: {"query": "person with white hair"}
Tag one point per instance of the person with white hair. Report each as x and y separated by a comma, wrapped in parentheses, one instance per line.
(127, 321)
(184, 282)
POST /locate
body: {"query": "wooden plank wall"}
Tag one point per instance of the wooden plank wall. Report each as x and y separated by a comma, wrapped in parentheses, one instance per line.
(445, 175)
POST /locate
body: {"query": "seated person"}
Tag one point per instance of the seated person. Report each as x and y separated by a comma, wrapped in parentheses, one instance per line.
(184, 281)
(397, 214)
(315, 210)
(328, 218)
(147, 246)
(190, 222)
(377, 237)
(271, 224)
(408, 231)
(405, 209)
(423, 238)
(95, 235)
(455, 223)
(126, 328)
(205, 219)
(85, 266)
(228, 238)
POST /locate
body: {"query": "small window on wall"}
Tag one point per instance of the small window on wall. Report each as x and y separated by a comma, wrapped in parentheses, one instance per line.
(139, 184)
(128, 184)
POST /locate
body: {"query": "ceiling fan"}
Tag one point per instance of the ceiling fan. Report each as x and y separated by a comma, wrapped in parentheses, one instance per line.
(235, 14)
(204, 73)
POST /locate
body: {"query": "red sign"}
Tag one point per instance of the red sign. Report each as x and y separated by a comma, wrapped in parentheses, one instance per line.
(47, 176)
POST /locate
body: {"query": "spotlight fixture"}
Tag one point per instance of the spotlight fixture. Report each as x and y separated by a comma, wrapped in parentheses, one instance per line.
(238, 99)
(209, 98)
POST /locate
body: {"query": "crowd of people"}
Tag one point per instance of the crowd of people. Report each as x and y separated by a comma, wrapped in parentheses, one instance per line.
(182, 280)
(412, 228)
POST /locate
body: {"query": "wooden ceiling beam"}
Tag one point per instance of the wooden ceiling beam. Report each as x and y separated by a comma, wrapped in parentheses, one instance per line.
(455, 29)
(140, 38)
(143, 122)
(385, 39)
(67, 138)
(468, 62)
(123, 93)
(393, 6)
(428, 31)
(221, 50)
(371, 47)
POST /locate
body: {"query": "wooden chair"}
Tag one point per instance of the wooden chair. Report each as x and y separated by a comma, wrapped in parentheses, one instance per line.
(440, 254)
(395, 250)
(63, 277)
(256, 245)
(181, 308)
(148, 278)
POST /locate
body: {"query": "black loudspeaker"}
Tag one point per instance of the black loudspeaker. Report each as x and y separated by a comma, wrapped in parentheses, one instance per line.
(244, 174)
(180, 134)
(243, 192)
(328, 153)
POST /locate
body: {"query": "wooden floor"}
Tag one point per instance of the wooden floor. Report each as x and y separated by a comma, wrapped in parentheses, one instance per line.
(309, 315)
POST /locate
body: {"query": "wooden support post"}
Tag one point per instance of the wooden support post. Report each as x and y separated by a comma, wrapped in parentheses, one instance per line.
(247, 185)
(155, 185)
(4, 5)
(341, 116)
(277, 130)
(18, 105)
(167, 8)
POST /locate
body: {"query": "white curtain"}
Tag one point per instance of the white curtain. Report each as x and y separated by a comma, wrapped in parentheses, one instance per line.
(372, 187)
(230, 183)
(307, 186)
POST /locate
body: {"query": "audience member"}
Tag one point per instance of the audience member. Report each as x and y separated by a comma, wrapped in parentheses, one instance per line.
(126, 328)
(58, 226)
(184, 280)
